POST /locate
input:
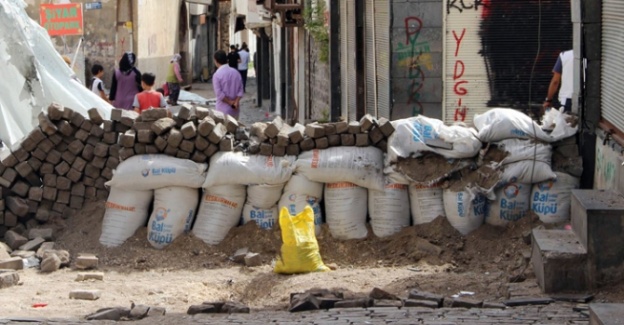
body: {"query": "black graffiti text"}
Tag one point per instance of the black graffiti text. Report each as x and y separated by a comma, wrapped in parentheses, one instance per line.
(461, 5)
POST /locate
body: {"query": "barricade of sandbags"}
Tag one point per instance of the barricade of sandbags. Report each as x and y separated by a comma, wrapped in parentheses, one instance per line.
(173, 214)
(389, 209)
(220, 210)
(126, 211)
(346, 210)
(360, 166)
(261, 206)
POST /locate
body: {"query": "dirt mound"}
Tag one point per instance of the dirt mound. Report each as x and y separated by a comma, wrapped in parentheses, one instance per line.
(437, 243)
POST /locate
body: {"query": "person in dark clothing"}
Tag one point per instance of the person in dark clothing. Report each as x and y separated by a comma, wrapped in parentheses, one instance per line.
(126, 82)
(233, 57)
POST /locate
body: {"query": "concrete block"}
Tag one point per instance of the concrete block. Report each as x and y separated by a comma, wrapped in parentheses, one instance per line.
(321, 143)
(273, 128)
(307, 144)
(598, 220)
(188, 130)
(95, 116)
(606, 314)
(354, 127)
(423, 295)
(90, 276)
(559, 261)
(201, 309)
(279, 151)
(362, 140)
(266, 149)
(201, 143)
(315, 131)
(293, 150)
(8, 279)
(68, 157)
(86, 261)
(45, 233)
(217, 133)
(87, 152)
(347, 139)
(62, 168)
(55, 111)
(32, 245)
(295, 136)
(13, 263)
(20, 188)
(85, 294)
(206, 126)
(367, 122)
(17, 205)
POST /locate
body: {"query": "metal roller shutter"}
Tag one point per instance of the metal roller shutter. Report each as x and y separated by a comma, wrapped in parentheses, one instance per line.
(347, 59)
(612, 95)
(382, 46)
(490, 50)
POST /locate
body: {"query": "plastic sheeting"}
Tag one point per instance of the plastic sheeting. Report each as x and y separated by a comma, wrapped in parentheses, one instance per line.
(34, 75)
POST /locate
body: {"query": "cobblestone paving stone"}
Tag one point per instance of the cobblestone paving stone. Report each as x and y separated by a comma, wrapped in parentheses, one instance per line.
(554, 314)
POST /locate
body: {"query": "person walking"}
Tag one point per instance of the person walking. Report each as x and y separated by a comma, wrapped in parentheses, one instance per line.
(126, 82)
(97, 85)
(563, 72)
(228, 86)
(174, 79)
(243, 66)
(233, 57)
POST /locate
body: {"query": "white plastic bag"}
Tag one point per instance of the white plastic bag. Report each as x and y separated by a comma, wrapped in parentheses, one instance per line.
(126, 211)
(417, 134)
(555, 120)
(235, 168)
(511, 204)
(505, 123)
(174, 211)
(150, 172)
(219, 211)
(426, 203)
(300, 192)
(264, 218)
(528, 161)
(389, 209)
(465, 210)
(264, 196)
(345, 208)
(362, 166)
(551, 200)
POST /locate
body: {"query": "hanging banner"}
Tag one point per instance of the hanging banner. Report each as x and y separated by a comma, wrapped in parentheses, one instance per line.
(62, 19)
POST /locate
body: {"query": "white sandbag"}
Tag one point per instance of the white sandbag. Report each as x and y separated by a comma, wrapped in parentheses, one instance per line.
(264, 218)
(527, 171)
(301, 185)
(389, 209)
(264, 196)
(296, 203)
(418, 134)
(505, 123)
(426, 203)
(126, 211)
(150, 172)
(173, 214)
(219, 211)
(519, 150)
(300, 192)
(465, 210)
(511, 204)
(235, 168)
(345, 208)
(362, 166)
(391, 175)
(551, 200)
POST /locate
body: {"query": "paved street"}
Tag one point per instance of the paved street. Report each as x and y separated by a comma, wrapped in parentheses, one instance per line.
(553, 314)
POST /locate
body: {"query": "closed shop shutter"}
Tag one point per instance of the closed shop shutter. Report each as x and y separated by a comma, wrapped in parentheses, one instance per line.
(490, 50)
(382, 46)
(347, 59)
(612, 95)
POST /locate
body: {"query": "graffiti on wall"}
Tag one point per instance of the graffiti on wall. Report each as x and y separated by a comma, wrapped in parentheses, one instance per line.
(605, 175)
(492, 57)
(415, 55)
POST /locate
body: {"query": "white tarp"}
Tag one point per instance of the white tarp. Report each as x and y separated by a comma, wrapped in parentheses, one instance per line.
(34, 75)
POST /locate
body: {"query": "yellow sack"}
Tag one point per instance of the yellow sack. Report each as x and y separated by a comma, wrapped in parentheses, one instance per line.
(300, 250)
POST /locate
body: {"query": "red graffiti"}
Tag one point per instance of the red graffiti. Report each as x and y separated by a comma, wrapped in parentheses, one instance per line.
(458, 72)
(460, 111)
(412, 30)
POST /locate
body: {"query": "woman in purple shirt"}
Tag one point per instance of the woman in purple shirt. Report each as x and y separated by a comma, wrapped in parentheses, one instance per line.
(126, 82)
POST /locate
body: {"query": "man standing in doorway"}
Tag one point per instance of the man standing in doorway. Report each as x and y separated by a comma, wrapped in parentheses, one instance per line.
(233, 57)
(562, 75)
(228, 86)
(244, 64)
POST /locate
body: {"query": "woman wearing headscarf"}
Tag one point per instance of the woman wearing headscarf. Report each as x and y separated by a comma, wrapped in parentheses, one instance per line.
(126, 82)
(174, 78)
